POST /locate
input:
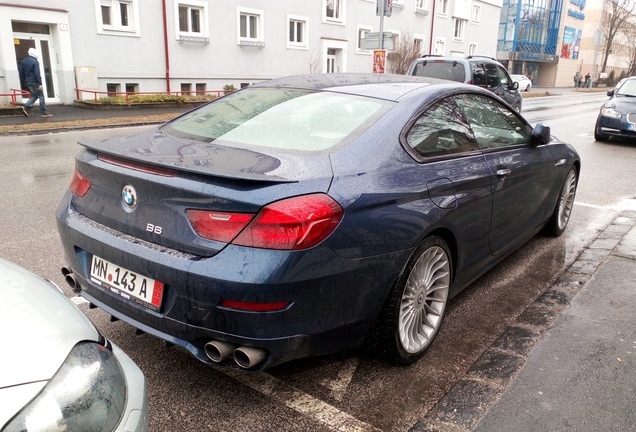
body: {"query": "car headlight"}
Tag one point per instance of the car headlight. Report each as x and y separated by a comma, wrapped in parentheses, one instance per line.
(87, 393)
(610, 112)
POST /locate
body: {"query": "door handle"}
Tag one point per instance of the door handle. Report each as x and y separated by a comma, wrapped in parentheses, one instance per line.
(504, 172)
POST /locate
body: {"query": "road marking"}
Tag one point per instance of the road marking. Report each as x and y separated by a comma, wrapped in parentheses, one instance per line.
(625, 204)
(78, 300)
(339, 385)
(300, 402)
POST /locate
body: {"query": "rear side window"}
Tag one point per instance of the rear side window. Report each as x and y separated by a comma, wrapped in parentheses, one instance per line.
(492, 75)
(479, 74)
(453, 71)
(442, 130)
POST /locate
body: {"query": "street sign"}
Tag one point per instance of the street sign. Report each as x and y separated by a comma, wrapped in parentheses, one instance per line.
(371, 41)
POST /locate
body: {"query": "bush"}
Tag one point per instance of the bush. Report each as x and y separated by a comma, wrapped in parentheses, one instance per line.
(157, 98)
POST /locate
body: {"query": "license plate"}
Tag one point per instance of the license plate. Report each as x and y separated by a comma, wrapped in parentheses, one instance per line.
(130, 285)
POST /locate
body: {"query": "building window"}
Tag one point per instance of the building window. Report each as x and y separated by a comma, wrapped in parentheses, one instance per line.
(117, 16)
(201, 89)
(186, 89)
(362, 33)
(191, 20)
(113, 88)
(442, 7)
(476, 17)
(132, 88)
(440, 46)
(250, 25)
(333, 11)
(459, 26)
(297, 32)
(472, 49)
(419, 4)
(418, 43)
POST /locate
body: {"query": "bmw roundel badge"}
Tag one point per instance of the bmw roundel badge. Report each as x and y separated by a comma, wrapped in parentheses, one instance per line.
(129, 195)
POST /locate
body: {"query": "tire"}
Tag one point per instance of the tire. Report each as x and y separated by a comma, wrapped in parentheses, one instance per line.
(598, 135)
(415, 308)
(528, 88)
(561, 214)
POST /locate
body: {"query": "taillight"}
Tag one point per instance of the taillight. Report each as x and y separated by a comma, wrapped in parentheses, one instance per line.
(290, 224)
(293, 223)
(80, 184)
(219, 226)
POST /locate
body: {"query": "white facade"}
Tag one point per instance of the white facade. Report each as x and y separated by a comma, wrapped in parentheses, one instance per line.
(190, 45)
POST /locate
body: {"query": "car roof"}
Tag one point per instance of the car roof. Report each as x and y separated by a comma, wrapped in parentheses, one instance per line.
(384, 86)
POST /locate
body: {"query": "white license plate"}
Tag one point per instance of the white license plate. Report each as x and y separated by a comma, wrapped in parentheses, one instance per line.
(130, 285)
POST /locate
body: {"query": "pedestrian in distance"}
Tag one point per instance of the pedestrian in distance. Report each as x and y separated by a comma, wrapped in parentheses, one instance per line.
(588, 81)
(577, 80)
(31, 72)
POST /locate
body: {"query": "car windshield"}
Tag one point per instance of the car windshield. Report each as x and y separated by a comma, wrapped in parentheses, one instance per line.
(628, 88)
(279, 118)
(441, 69)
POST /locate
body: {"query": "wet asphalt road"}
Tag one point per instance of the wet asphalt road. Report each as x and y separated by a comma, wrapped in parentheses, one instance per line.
(348, 391)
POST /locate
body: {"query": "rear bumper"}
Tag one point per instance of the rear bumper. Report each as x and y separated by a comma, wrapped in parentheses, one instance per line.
(333, 301)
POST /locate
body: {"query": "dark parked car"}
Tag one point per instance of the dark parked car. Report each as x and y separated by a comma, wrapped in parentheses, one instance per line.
(482, 71)
(57, 372)
(617, 117)
(307, 215)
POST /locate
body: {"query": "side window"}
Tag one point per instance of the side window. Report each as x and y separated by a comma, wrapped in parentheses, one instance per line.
(479, 75)
(442, 130)
(492, 75)
(494, 125)
(503, 76)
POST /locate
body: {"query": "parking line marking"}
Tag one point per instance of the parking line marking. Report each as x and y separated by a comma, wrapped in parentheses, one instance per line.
(300, 402)
(339, 385)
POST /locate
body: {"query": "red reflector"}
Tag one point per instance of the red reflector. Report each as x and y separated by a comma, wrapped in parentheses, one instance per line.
(80, 184)
(219, 226)
(293, 223)
(255, 307)
(470, 82)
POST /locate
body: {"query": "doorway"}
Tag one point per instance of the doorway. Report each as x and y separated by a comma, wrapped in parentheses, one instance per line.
(28, 35)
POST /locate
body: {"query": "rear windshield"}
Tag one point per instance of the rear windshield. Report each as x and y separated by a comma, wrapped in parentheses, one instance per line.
(441, 69)
(286, 119)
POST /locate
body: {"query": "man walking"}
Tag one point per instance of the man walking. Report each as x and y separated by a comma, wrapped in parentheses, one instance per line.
(31, 72)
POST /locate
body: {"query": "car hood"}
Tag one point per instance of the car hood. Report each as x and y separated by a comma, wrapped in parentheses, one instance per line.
(622, 104)
(159, 149)
(39, 326)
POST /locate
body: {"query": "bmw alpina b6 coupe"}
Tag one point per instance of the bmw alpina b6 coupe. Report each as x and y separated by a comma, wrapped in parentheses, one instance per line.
(306, 215)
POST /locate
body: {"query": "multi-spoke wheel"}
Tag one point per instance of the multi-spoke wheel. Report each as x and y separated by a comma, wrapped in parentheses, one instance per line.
(416, 306)
(561, 215)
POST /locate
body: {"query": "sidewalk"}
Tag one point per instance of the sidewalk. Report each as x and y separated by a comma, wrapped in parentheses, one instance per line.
(71, 117)
(569, 361)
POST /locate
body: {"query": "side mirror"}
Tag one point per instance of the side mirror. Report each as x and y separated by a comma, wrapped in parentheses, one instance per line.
(515, 85)
(610, 93)
(540, 134)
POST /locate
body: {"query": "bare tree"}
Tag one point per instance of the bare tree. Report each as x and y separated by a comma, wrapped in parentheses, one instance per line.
(406, 50)
(616, 23)
(315, 61)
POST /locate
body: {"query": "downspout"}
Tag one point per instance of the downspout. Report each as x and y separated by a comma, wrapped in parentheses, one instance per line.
(430, 47)
(165, 44)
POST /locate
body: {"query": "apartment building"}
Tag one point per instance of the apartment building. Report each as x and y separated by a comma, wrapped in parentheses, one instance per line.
(204, 45)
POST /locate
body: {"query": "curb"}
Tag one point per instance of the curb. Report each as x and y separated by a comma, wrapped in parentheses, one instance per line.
(77, 128)
(461, 408)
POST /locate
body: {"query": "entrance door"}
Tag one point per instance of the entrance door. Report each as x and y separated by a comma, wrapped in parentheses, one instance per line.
(331, 60)
(47, 67)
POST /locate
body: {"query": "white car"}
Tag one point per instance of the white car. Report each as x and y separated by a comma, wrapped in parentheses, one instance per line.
(524, 82)
(57, 373)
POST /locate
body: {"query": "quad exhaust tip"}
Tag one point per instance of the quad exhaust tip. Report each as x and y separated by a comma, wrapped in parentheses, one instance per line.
(246, 357)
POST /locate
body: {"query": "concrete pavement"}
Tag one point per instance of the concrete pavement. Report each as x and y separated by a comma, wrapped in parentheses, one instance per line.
(569, 361)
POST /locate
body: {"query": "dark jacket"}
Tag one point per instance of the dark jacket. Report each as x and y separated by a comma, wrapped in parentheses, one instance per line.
(31, 70)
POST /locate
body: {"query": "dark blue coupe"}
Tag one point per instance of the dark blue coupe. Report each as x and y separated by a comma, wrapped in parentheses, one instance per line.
(309, 214)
